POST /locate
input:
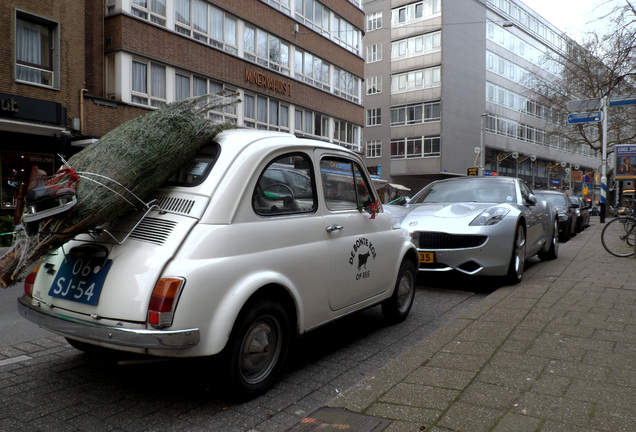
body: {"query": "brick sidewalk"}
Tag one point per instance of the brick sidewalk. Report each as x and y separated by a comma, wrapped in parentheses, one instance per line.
(556, 353)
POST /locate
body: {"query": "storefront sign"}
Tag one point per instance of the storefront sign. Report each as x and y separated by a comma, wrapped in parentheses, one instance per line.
(9, 105)
(29, 109)
(268, 82)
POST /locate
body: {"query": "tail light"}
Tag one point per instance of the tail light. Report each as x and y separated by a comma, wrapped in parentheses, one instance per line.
(164, 301)
(30, 281)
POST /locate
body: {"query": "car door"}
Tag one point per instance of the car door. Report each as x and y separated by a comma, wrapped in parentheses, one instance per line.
(361, 244)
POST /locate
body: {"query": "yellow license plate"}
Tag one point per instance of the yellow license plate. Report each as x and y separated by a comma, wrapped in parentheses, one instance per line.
(427, 257)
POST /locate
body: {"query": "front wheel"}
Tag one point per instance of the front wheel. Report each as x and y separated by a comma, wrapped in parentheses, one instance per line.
(518, 259)
(553, 249)
(397, 307)
(258, 346)
(618, 237)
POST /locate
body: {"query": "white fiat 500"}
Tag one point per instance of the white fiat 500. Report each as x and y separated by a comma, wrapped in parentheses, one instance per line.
(261, 237)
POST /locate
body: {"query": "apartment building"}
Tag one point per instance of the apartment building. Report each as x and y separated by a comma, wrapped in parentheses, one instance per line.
(446, 79)
(79, 69)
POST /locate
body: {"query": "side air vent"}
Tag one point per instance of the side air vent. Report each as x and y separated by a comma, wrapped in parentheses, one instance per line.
(175, 205)
(153, 230)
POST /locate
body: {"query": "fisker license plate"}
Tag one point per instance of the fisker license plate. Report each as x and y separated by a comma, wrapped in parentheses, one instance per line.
(80, 280)
(427, 257)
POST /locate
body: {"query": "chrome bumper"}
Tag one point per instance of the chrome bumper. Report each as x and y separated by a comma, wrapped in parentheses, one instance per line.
(113, 335)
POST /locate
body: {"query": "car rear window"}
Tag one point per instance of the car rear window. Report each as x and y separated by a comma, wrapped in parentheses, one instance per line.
(197, 170)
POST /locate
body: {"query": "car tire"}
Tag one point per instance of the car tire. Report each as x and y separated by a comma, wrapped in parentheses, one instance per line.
(518, 258)
(553, 249)
(257, 348)
(397, 307)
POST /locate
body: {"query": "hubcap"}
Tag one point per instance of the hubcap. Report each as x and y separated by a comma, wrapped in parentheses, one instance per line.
(261, 349)
(405, 289)
(520, 252)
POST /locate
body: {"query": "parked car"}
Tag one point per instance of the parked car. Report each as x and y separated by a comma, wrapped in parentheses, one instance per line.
(230, 262)
(565, 209)
(582, 213)
(479, 226)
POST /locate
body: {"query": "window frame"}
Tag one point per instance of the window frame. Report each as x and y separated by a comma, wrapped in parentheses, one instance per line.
(37, 70)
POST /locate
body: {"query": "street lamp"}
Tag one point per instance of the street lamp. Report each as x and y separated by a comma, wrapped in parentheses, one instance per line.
(482, 148)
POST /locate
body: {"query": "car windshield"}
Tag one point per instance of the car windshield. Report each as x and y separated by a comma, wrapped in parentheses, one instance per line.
(466, 191)
(554, 199)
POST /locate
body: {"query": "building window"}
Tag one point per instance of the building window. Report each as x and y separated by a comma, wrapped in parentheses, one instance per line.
(374, 53)
(374, 117)
(416, 80)
(282, 5)
(374, 85)
(151, 10)
(415, 147)
(346, 134)
(374, 21)
(203, 22)
(148, 83)
(415, 114)
(37, 48)
(346, 35)
(374, 149)
(415, 46)
(415, 12)
(311, 69)
(260, 112)
(266, 50)
(346, 85)
(314, 15)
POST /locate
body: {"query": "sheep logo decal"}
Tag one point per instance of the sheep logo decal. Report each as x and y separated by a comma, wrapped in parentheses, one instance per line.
(361, 251)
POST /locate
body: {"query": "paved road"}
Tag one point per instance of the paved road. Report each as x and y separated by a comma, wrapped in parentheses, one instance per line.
(47, 385)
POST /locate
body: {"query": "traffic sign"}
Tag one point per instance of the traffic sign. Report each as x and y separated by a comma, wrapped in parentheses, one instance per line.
(623, 100)
(584, 105)
(585, 117)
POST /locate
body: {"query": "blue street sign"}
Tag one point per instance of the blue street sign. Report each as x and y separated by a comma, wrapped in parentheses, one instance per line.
(623, 100)
(586, 117)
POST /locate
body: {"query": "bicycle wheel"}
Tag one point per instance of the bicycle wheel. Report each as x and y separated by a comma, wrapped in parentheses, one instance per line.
(618, 237)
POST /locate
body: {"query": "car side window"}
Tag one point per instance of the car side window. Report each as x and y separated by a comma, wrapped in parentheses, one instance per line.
(285, 186)
(345, 184)
(525, 192)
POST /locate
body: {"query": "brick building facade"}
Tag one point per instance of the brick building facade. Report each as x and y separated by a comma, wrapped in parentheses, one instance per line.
(80, 69)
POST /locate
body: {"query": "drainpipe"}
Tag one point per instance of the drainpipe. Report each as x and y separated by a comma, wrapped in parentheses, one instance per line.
(82, 91)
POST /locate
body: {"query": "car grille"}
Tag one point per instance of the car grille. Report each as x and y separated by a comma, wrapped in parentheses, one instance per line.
(153, 230)
(440, 240)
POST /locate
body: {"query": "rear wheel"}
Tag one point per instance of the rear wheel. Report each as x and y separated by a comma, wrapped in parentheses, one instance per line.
(258, 347)
(396, 308)
(518, 259)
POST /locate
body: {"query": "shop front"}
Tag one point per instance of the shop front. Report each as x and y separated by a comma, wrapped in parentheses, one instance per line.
(33, 132)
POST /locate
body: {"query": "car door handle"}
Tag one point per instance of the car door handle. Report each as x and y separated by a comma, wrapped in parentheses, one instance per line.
(332, 228)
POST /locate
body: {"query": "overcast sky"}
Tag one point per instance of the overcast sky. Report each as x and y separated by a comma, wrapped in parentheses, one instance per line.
(574, 17)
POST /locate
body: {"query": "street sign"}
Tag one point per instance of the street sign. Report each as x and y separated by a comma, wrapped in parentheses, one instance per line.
(595, 104)
(623, 100)
(585, 117)
(584, 105)
(472, 172)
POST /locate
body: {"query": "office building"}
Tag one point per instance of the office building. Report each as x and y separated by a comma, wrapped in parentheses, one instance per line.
(448, 78)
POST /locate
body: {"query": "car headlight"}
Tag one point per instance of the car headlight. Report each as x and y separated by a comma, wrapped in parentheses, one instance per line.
(562, 217)
(490, 216)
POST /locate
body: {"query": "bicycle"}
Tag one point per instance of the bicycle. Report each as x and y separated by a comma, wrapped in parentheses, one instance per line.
(619, 236)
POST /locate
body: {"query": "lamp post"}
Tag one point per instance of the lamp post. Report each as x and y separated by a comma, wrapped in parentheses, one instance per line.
(482, 148)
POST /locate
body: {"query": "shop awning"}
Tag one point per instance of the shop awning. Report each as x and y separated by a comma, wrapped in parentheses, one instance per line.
(399, 187)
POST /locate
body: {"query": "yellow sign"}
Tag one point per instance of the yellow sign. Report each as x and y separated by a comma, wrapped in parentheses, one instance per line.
(472, 172)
